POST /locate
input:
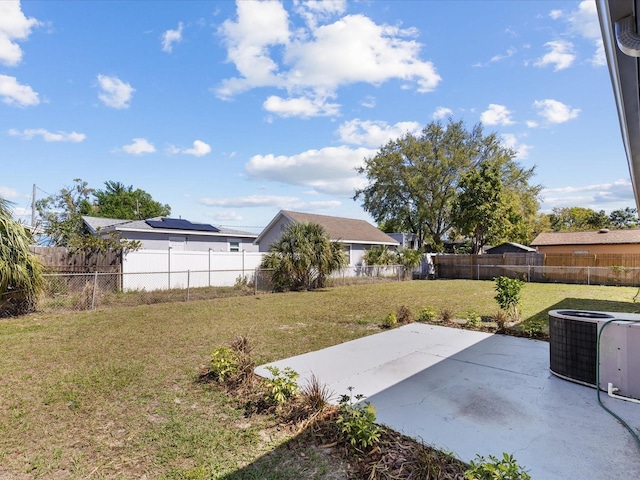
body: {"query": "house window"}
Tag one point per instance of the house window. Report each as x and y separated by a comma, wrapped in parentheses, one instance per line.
(234, 246)
(347, 253)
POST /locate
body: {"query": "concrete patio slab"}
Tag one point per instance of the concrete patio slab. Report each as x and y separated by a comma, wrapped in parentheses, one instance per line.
(476, 393)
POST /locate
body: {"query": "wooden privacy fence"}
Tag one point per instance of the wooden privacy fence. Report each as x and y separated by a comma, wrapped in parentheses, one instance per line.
(591, 269)
(63, 260)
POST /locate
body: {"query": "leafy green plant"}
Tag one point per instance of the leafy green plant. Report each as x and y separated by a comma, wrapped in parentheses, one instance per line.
(224, 363)
(534, 328)
(404, 315)
(282, 385)
(474, 320)
(390, 321)
(496, 469)
(357, 421)
(427, 314)
(508, 296)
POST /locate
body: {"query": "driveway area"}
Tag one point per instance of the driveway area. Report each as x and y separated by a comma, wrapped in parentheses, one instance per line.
(476, 393)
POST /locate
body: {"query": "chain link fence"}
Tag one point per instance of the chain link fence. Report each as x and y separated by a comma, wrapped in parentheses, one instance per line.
(88, 291)
(585, 275)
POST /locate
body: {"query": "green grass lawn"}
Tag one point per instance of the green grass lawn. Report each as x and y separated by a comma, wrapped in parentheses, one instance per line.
(112, 393)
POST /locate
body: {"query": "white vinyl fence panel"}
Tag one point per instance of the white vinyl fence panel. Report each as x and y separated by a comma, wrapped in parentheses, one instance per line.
(171, 268)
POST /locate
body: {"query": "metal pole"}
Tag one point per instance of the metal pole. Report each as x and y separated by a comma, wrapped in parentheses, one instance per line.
(95, 283)
(169, 260)
(188, 283)
(243, 265)
(209, 267)
(588, 276)
(255, 281)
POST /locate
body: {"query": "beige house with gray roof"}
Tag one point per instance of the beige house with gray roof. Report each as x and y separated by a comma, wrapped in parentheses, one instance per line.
(595, 242)
(357, 236)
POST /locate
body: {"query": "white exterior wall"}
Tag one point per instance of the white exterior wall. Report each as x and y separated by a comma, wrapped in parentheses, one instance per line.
(199, 243)
(163, 269)
(272, 234)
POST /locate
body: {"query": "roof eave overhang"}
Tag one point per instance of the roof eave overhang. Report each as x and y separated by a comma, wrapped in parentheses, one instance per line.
(181, 232)
(623, 70)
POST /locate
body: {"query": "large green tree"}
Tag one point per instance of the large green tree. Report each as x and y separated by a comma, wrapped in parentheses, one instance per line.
(480, 210)
(414, 180)
(624, 218)
(20, 270)
(575, 219)
(119, 201)
(303, 257)
(61, 213)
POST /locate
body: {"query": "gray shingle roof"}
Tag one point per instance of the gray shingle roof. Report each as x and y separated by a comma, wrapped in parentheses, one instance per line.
(107, 224)
(601, 237)
(346, 229)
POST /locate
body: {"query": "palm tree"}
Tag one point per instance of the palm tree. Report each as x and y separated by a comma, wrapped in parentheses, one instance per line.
(303, 257)
(20, 270)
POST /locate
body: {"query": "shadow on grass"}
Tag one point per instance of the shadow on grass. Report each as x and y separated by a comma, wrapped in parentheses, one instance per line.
(585, 304)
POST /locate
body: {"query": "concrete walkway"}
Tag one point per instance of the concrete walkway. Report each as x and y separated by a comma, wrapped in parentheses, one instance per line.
(475, 393)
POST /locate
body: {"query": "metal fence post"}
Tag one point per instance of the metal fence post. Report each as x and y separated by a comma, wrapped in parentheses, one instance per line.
(188, 283)
(169, 267)
(95, 284)
(588, 276)
(255, 281)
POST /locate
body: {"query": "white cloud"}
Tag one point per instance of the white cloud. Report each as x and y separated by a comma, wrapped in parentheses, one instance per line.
(554, 111)
(14, 27)
(115, 93)
(512, 141)
(15, 94)
(170, 37)
(584, 21)
(330, 170)
(199, 149)
(368, 102)
(374, 133)
(605, 196)
(561, 55)
(531, 123)
(47, 136)
(510, 53)
(300, 107)
(139, 146)
(7, 192)
(496, 115)
(442, 113)
(313, 62)
(555, 14)
(225, 216)
(276, 201)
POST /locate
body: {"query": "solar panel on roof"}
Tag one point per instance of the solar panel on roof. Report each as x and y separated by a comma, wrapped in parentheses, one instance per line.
(180, 224)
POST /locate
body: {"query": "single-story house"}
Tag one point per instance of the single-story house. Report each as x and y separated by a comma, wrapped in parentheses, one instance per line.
(160, 233)
(594, 242)
(357, 236)
(509, 247)
(406, 240)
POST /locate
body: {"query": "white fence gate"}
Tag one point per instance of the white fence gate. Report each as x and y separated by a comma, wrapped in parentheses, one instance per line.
(167, 269)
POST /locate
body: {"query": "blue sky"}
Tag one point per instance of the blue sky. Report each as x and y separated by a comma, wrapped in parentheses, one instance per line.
(230, 111)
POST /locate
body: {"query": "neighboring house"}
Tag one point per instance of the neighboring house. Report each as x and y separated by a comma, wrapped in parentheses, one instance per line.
(596, 242)
(509, 247)
(406, 240)
(161, 233)
(357, 236)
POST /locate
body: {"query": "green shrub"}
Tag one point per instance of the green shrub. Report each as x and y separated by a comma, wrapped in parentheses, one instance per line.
(391, 320)
(474, 320)
(505, 469)
(404, 315)
(534, 328)
(508, 296)
(427, 314)
(282, 385)
(224, 363)
(357, 421)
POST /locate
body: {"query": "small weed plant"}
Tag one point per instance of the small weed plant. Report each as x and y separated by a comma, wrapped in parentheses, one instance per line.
(427, 314)
(404, 315)
(283, 384)
(224, 363)
(496, 469)
(357, 421)
(474, 320)
(446, 315)
(391, 320)
(501, 319)
(508, 296)
(315, 395)
(534, 328)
